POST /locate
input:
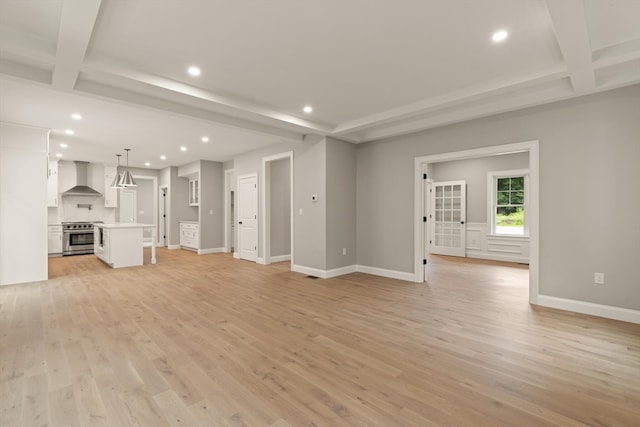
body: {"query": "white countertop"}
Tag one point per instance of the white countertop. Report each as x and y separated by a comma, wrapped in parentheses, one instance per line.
(124, 225)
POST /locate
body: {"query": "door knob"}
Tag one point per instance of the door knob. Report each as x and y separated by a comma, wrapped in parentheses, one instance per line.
(240, 222)
(461, 222)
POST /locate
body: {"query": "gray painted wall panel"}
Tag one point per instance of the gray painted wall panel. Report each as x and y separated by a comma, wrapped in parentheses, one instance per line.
(211, 205)
(341, 203)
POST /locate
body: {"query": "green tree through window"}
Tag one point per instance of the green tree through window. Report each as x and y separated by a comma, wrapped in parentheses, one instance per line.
(509, 208)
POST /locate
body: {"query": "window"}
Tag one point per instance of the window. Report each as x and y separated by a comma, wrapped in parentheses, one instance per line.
(508, 202)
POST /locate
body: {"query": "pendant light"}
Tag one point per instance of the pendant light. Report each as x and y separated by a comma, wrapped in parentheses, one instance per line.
(116, 179)
(126, 180)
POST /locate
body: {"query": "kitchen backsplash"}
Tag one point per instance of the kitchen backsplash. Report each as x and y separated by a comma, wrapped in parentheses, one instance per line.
(68, 210)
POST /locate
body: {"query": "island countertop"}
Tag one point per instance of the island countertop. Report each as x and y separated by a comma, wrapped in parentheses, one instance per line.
(124, 225)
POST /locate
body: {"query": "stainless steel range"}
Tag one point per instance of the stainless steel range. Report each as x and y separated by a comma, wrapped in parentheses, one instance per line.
(77, 238)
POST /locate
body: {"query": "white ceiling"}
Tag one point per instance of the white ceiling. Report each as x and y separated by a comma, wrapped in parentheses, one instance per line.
(370, 68)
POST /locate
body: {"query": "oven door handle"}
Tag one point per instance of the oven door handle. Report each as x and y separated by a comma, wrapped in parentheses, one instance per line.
(87, 231)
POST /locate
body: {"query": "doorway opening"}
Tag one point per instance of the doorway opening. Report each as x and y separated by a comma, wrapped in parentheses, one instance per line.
(277, 209)
(422, 204)
(229, 211)
(162, 217)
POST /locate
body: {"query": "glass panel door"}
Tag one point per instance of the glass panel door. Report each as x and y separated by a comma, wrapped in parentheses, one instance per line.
(448, 229)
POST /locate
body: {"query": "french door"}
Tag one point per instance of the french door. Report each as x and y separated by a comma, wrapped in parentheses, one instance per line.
(448, 217)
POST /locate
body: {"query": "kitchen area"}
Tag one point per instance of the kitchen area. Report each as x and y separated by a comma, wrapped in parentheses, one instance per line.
(85, 215)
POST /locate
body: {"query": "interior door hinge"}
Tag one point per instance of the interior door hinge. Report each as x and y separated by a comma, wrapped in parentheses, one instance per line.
(424, 262)
(424, 176)
(424, 219)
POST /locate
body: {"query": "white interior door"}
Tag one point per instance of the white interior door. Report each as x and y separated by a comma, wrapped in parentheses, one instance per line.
(448, 218)
(127, 205)
(248, 217)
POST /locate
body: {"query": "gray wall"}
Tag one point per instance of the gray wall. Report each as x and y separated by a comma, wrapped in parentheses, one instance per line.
(474, 172)
(310, 243)
(144, 201)
(589, 154)
(211, 205)
(341, 203)
(280, 207)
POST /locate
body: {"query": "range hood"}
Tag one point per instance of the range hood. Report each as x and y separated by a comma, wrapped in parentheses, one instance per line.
(81, 188)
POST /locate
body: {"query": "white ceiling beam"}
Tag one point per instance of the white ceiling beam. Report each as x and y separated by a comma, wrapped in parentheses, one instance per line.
(76, 25)
(570, 26)
(458, 97)
(125, 76)
(617, 54)
(149, 102)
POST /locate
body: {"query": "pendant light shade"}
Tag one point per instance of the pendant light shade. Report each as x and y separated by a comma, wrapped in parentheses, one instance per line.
(126, 179)
(116, 179)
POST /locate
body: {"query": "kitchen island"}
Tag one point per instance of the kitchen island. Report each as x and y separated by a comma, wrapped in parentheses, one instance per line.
(121, 244)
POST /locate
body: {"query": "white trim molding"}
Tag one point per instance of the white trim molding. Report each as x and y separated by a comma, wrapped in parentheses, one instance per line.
(392, 274)
(236, 255)
(281, 258)
(328, 274)
(600, 310)
(172, 247)
(211, 251)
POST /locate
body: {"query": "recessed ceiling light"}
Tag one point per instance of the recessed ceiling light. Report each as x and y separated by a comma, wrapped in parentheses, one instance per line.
(163, 157)
(69, 132)
(58, 155)
(183, 148)
(307, 109)
(205, 139)
(499, 36)
(63, 145)
(147, 164)
(76, 116)
(194, 71)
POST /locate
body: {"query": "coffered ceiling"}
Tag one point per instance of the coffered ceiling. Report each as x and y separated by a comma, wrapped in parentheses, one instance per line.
(369, 68)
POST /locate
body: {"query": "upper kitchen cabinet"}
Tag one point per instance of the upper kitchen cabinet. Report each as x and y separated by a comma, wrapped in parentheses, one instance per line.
(191, 171)
(52, 185)
(110, 194)
(194, 192)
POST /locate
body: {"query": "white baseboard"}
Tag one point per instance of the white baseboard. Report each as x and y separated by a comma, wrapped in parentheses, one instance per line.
(210, 251)
(173, 246)
(490, 257)
(309, 271)
(260, 261)
(342, 271)
(327, 274)
(280, 258)
(236, 255)
(392, 274)
(600, 310)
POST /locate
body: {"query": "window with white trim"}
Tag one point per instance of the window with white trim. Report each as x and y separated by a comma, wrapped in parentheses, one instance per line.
(508, 200)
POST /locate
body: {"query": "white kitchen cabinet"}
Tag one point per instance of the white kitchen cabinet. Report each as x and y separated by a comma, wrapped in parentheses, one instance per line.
(194, 192)
(55, 239)
(189, 235)
(101, 244)
(52, 184)
(110, 194)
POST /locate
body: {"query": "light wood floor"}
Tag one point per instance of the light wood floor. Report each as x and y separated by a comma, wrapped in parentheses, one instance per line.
(212, 341)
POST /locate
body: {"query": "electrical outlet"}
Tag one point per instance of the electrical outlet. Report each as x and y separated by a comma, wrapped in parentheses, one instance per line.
(598, 278)
(344, 251)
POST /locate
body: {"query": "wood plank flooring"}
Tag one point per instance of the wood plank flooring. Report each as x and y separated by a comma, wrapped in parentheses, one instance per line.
(212, 341)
